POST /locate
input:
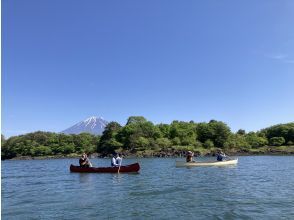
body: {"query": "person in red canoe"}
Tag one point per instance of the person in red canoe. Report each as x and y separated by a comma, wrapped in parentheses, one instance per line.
(189, 157)
(84, 161)
(119, 159)
(116, 160)
(113, 160)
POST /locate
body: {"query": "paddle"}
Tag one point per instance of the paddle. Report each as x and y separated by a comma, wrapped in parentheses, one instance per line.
(119, 162)
(89, 162)
(227, 156)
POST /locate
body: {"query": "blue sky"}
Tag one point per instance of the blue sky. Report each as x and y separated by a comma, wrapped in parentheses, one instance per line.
(63, 61)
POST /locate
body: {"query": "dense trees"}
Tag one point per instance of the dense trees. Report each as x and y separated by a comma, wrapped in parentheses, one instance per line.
(138, 134)
(47, 143)
(141, 135)
(286, 131)
(183, 132)
(215, 131)
(109, 139)
(254, 140)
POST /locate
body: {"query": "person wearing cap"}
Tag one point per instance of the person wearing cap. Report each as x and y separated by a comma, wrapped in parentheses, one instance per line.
(113, 161)
(189, 157)
(84, 161)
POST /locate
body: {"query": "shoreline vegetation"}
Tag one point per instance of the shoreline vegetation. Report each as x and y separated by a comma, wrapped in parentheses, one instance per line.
(264, 151)
(141, 138)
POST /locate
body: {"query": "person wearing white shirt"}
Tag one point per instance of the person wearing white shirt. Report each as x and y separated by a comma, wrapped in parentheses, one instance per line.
(118, 160)
(113, 161)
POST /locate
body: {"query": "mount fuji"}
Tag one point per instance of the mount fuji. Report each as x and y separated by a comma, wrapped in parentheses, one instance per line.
(94, 125)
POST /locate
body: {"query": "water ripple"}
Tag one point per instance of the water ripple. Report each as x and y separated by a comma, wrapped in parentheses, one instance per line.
(257, 188)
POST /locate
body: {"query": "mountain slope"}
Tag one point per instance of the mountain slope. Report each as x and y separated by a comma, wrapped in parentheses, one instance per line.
(93, 125)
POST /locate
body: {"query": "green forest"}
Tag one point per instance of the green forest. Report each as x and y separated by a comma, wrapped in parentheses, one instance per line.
(141, 137)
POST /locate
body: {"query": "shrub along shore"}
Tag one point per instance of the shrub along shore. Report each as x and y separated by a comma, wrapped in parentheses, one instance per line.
(141, 138)
(267, 150)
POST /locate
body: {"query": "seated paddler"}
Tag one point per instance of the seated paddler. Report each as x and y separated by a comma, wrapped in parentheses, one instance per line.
(189, 157)
(84, 161)
(119, 159)
(113, 160)
(220, 156)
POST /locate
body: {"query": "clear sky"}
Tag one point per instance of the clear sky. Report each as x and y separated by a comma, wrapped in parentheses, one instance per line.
(63, 61)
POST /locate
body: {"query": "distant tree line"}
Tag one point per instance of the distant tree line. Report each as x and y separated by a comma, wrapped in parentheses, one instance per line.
(47, 143)
(140, 135)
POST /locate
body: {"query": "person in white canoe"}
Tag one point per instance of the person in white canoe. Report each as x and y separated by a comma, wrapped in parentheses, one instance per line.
(220, 156)
(189, 157)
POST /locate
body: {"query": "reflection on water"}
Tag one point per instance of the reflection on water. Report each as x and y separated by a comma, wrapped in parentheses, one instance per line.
(117, 178)
(84, 177)
(257, 188)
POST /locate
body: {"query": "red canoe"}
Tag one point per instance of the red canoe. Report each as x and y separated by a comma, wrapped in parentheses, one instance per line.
(135, 167)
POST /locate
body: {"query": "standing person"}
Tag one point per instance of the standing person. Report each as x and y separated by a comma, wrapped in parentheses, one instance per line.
(189, 157)
(119, 159)
(220, 156)
(84, 161)
(113, 161)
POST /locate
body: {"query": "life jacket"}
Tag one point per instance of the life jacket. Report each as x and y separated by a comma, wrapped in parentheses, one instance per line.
(219, 158)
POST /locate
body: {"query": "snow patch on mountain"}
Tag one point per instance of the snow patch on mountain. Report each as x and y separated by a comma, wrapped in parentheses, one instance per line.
(93, 125)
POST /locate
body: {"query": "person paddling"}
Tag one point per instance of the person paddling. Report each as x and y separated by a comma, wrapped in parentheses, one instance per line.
(189, 157)
(113, 161)
(84, 161)
(118, 159)
(220, 156)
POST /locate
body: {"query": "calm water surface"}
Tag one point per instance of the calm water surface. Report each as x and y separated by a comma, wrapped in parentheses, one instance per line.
(259, 187)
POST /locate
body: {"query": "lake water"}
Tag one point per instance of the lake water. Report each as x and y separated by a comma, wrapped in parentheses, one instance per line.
(259, 187)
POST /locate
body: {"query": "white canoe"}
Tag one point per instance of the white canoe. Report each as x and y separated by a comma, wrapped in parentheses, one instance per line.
(208, 163)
